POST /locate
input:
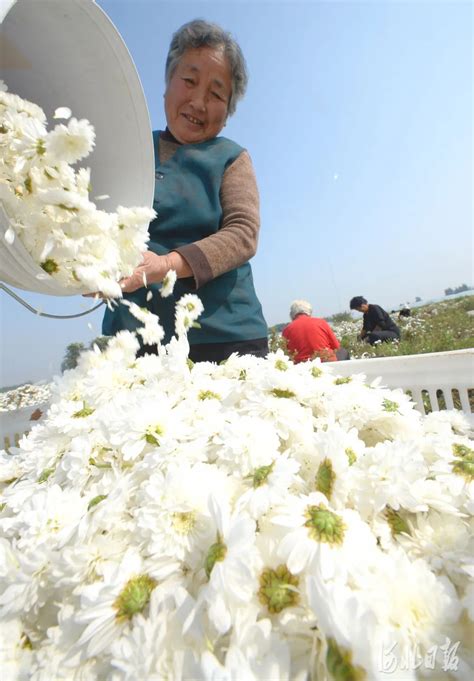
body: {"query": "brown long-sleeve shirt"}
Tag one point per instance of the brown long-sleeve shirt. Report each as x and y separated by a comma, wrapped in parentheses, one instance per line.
(236, 241)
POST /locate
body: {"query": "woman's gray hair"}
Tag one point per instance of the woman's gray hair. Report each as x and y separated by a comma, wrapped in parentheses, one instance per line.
(300, 307)
(200, 33)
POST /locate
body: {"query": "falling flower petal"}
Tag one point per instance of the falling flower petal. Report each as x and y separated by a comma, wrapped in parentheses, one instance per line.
(62, 112)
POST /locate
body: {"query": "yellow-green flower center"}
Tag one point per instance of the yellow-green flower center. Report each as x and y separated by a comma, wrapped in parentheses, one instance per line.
(396, 522)
(261, 474)
(134, 597)
(84, 412)
(281, 392)
(25, 642)
(316, 372)
(351, 455)
(325, 478)
(340, 666)
(217, 552)
(50, 266)
(464, 467)
(463, 451)
(281, 365)
(343, 380)
(184, 521)
(324, 525)
(152, 434)
(390, 406)
(278, 589)
(208, 395)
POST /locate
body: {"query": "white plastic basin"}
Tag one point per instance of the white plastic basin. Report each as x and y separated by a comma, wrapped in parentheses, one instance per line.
(68, 53)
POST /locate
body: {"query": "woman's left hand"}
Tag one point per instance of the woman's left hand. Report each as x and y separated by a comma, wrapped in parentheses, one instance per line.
(152, 270)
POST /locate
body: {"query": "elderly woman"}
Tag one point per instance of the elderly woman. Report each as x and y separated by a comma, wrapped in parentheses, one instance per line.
(207, 204)
(308, 337)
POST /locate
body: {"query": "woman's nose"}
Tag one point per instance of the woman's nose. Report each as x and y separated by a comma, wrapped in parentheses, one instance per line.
(199, 100)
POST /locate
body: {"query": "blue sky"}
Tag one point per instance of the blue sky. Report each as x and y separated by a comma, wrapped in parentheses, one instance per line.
(358, 118)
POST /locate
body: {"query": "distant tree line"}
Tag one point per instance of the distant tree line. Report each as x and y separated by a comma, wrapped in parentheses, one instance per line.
(458, 289)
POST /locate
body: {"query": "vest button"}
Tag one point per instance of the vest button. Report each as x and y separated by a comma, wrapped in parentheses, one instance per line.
(158, 175)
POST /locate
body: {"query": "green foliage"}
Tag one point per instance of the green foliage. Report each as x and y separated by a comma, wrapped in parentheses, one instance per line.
(71, 357)
(276, 341)
(74, 350)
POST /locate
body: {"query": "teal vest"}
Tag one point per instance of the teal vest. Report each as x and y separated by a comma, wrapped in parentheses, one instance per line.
(188, 208)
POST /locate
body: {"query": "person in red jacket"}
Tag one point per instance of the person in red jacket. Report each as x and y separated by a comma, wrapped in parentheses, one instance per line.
(308, 337)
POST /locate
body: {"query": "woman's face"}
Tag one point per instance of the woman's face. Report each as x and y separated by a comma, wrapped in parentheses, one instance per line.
(197, 96)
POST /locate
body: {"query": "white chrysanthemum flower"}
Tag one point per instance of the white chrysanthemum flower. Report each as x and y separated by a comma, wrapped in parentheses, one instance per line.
(416, 606)
(254, 652)
(174, 518)
(389, 474)
(444, 541)
(268, 485)
(245, 443)
(139, 426)
(29, 142)
(446, 422)
(70, 142)
(350, 627)
(320, 539)
(109, 605)
(230, 566)
(327, 462)
(153, 647)
(167, 285)
(188, 309)
(50, 516)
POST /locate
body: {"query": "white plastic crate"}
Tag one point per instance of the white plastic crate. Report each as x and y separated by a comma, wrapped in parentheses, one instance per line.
(437, 380)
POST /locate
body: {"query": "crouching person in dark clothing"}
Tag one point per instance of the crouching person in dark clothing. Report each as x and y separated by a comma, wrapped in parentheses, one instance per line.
(377, 324)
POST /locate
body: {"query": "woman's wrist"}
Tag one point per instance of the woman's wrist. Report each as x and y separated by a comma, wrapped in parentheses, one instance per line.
(176, 262)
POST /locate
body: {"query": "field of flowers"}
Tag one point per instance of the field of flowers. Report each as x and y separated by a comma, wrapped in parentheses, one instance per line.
(431, 328)
(251, 520)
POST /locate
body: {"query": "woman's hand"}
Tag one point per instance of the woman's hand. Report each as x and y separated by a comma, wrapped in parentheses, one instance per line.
(151, 270)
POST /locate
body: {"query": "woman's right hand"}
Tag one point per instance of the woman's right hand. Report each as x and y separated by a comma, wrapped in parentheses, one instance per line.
(151, 270)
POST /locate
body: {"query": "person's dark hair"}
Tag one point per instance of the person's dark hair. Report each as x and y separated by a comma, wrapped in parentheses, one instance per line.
(200, 33)
(356, 302)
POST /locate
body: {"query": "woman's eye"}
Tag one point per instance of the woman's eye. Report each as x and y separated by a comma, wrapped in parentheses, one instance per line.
(188, 80)
(216, 95)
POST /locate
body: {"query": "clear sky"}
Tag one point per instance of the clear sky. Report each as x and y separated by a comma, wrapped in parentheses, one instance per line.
(358, 118)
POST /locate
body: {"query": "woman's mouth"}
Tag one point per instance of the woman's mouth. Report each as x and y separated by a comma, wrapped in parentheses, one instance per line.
(191, 119)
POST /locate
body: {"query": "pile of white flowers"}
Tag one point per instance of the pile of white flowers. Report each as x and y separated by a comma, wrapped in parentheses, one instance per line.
(252, 520)
(47, 201)
(26, 395)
